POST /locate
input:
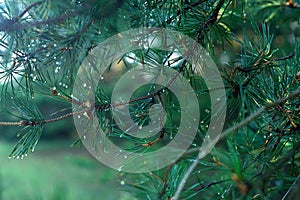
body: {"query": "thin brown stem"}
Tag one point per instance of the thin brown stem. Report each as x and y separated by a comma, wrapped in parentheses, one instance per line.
(29, 8)
(212, 20)
(62, 117)
(11, 123)
(46, 121)
(258, 62)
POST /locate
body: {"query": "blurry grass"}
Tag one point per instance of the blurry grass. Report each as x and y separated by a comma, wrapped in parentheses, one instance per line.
(56, 172)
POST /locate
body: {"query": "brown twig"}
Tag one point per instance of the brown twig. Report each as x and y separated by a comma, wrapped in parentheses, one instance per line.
(281, 109)
(161, 135)
(205, 186)
(258, 62)
(11, 123)
(212, 19)
(252, 68)
(29, 7)
(46, 121)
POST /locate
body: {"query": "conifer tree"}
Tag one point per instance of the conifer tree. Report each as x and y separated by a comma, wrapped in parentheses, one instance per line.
(253, 43)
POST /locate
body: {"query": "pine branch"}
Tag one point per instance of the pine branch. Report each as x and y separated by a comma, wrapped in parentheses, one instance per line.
(212, 19)
(89, 105)
(10, 25)
(83, 104)
(29, 8)
(227, 132)
(46, 121)
(258, 62)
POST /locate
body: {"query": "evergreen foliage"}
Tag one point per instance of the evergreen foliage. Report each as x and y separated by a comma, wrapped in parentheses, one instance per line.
(254, 43)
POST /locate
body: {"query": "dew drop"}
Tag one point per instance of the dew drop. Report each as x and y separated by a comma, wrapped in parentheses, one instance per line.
(56, 70)
(122, 182)
(120, 168)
